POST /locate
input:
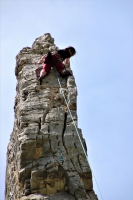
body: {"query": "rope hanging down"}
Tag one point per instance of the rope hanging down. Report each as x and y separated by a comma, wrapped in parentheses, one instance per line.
(76, 128)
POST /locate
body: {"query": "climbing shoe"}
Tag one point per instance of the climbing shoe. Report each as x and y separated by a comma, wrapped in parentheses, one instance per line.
(40, 80)
(65, 74)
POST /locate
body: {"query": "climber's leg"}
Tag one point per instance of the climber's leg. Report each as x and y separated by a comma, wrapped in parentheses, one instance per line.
(57, 62)
(37, 71)
(65, 73)
(62, 71)
(45, 70)
(43, 73)
(60, 68)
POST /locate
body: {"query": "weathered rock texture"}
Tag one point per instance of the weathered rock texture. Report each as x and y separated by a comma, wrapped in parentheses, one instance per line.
(45, 159)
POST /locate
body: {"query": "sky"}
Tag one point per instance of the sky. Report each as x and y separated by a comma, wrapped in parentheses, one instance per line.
(102, 33)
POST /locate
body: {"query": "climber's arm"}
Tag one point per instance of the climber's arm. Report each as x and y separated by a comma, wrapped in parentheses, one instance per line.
(67, 61)
(41, 60)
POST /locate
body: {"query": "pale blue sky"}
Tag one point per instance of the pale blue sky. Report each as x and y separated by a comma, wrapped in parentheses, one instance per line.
(102, 33)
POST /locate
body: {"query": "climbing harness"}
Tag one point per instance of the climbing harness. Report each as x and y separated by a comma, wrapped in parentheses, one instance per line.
(76, 128)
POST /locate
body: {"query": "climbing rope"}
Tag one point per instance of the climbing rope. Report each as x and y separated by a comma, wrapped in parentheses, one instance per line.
(76, 128)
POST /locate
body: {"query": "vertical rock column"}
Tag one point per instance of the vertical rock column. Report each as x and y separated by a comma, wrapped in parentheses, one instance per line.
(45, 159)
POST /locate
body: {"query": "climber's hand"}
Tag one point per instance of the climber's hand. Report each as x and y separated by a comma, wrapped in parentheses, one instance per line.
(37, 62)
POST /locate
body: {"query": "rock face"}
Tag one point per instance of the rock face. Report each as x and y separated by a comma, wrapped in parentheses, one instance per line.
(45, 159)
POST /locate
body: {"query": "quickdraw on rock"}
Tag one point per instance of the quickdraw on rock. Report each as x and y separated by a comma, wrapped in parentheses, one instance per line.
(61, 158)
(11, 196)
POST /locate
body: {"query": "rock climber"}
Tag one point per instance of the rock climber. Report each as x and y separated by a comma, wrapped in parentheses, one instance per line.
(56, 59)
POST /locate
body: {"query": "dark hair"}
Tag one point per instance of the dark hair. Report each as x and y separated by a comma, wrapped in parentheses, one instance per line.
(72, 49)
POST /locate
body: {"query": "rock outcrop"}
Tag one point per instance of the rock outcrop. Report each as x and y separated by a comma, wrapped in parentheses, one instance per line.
(45, 159)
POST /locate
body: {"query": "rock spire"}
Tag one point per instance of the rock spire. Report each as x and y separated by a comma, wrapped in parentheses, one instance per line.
(45, 159)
